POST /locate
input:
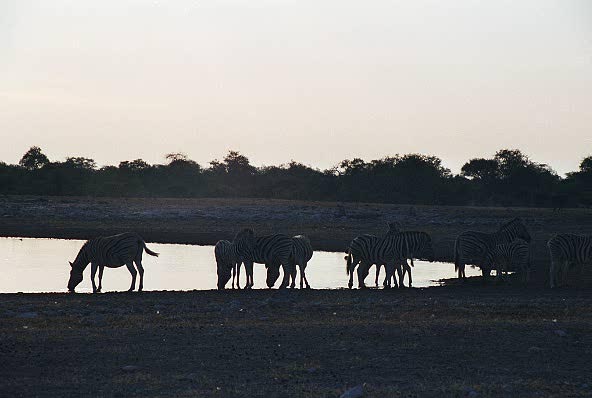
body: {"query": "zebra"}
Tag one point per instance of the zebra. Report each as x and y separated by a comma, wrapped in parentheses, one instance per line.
(272, 250)
(472, 247)
(393, 250)
(360, 249)
(396, 249)
(113, 252)
(226, 263)
(301, 254)
(513, 256)
(244, 244)
(566, 250)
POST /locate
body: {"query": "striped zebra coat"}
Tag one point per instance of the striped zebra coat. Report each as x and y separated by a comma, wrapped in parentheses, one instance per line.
(567, 250)
(301, 254)
(226, 263)
(272, 250)
(514, 256)
(473, 247)
(361, 249)
(112, 252)
(393, 250)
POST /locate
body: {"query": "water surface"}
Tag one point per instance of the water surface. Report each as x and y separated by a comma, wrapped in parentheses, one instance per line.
(41, 265)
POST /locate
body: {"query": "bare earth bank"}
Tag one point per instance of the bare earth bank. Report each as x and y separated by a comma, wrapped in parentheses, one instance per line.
(450, 341)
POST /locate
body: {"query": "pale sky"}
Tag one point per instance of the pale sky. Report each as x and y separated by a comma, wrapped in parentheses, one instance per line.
(315, 81)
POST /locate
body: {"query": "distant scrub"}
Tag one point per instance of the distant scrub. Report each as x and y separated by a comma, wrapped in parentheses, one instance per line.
(510, 178)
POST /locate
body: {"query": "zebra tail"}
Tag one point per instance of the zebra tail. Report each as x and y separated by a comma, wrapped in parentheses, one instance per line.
(148, 250)
(348, 262)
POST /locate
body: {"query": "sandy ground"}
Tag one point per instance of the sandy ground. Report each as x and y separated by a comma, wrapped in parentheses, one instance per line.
(331, 226)
(460, 341)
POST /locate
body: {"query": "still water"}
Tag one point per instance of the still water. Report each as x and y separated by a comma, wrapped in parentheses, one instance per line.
(41, 265)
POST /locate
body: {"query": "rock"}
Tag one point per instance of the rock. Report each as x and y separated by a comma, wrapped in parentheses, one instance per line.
(470, 392)
(560, 333)
(130, 368)
(535, 349)
(27, 315)
(355, 392)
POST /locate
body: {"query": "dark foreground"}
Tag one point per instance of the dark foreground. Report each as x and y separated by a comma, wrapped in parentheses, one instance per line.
(465, 341)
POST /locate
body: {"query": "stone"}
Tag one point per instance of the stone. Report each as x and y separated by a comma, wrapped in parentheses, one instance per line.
(355, 392)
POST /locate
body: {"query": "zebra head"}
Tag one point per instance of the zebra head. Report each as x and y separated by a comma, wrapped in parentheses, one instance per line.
(223, 271)
(75, 277)
(273, 273)
(427, 250)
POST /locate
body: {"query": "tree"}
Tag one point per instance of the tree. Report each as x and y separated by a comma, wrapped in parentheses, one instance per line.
(81, 163)
(33, 159)
(586, 165)
(481, 169)
(134, 165)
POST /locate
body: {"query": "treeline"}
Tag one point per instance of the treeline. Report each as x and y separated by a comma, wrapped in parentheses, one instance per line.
(510, 178)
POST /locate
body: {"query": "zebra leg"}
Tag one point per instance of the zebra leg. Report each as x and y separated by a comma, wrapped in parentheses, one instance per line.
(362, 273)
(141, 272)
(132, 270)
(238, 267)
(249, 271)
(93, 272)
(287, 273)
(233, 274)
(293, 273)
(377, 274)
(408, 268)
(400, 274)
(303, 275)
(101, 269)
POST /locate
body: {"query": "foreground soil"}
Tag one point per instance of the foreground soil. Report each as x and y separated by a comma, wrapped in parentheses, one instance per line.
(463, 341)
(330, 226)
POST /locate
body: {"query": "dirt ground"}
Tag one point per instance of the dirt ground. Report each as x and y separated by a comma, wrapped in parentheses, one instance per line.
(459, 341)
(330, 226)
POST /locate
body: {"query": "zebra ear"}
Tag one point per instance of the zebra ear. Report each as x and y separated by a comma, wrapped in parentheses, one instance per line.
(71, 265)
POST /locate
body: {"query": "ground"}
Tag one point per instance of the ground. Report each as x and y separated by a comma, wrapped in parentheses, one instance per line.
(330, 226)
(463, 341)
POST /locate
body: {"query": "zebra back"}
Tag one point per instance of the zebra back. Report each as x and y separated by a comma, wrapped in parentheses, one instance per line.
(572, 248)
(110, 250)
(273, 249)
(474, 247)
(402, 246)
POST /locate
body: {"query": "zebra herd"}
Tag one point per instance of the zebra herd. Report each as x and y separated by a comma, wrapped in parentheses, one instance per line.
(506, 249)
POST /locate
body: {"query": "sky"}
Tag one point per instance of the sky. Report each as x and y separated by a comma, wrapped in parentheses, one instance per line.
(316, 81)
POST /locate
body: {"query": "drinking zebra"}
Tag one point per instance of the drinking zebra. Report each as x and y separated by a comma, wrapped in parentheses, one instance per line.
(393, 250)
(566, 250)
(226, 263)
(301, 254)
(514, 256)
(473, 247)
(272, 250)
(360, 248)
(112, 252)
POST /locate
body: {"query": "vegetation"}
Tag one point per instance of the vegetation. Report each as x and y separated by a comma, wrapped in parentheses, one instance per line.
(510, 178)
